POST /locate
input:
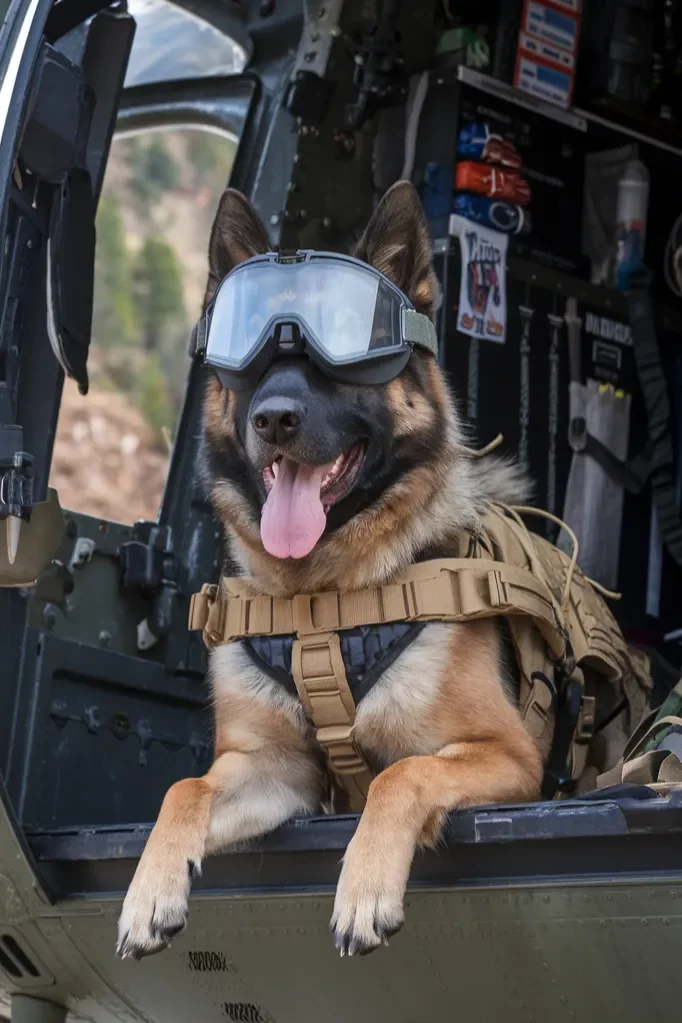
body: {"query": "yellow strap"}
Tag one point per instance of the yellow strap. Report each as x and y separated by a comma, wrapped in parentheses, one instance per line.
(449, 589)
(659, 769)
(317, 668)
(657, 766)
(320, 677)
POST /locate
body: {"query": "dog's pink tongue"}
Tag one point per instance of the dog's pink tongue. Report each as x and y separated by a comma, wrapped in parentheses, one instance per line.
(293, 518)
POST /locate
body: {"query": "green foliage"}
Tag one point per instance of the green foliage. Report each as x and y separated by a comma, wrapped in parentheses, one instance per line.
(140, 323)
(114, 314)
(153, 398)
(160, 165)
(206, 153)
(153, 170)
(158, 290)
(138, 301)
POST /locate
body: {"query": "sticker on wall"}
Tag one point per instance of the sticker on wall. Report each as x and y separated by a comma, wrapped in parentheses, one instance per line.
(482, 291)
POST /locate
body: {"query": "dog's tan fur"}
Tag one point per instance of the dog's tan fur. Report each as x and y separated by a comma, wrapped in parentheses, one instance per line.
(439, 721)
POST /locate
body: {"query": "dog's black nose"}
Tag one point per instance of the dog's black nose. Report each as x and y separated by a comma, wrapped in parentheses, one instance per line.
(278, 420)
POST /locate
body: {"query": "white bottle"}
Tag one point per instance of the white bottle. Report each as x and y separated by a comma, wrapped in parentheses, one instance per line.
(631, 214)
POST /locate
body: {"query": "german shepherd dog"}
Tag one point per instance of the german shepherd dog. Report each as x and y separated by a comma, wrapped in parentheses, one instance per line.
(398, 486)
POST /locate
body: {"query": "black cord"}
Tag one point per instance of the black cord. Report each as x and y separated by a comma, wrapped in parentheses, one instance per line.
(610, 717)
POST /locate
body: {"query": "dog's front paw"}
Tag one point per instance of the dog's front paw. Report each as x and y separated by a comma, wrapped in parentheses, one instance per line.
(155, 908)
(368, 908)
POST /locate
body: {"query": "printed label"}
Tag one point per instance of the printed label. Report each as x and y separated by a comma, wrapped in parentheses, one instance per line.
(511, 94)
(551, 26)
(482, 291)
(568, 5)
(540, 48)
(244, 1012)
(208, 962)
(545, 82)
(607, 355)
(608, 330)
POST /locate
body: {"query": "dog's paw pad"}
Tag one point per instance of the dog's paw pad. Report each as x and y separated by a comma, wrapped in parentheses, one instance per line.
(153, 914)
(359, 929)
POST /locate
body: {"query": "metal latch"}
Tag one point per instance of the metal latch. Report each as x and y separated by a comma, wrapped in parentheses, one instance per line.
(149, 565)
(16, 497)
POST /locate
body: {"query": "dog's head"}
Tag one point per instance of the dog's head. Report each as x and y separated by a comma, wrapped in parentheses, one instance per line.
(323, 483)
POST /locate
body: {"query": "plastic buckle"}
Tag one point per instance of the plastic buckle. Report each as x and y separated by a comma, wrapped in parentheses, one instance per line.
(497, 588)
(200, 605)
(584, 729)
(302, 609)
(215, 622)
(198, 612)
(338, 743)
(410, 600)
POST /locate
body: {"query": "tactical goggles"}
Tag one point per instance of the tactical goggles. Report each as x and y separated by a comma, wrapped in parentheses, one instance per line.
(349, 319)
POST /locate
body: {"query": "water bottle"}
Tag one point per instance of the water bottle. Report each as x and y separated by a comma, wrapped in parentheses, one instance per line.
(631, 213)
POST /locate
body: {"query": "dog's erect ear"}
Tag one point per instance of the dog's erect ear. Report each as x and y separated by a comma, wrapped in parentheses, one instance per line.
(397, 243)
(237, 234)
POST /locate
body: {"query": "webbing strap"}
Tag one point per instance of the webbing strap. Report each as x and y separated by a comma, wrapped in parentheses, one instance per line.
(420, 331)
(536, 691)
(658, 767)
(320, 677)
(648, 758)
(449, 589)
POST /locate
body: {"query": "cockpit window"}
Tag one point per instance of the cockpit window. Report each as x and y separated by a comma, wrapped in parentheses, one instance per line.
(171, 43)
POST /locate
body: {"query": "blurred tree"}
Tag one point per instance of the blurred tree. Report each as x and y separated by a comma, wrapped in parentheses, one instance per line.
(206, 152)
(153, 398)
(153, 170)
(160, 165)
(114, 313)
(158, 291)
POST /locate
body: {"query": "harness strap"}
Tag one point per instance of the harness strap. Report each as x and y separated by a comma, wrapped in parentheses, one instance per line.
(448, 589)
(320, 677)
(652, 755)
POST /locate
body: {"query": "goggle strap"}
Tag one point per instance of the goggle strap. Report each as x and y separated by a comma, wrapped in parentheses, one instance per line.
(419, 330)
(197, 339)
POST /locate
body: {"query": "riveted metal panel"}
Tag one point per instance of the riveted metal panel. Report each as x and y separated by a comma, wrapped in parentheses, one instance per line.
(588, 953)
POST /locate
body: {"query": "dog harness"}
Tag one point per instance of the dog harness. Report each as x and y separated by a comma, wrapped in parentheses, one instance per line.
(331, 647)
(366, 653)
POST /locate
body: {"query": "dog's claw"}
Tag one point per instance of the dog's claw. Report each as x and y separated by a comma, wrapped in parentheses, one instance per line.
(355, 935)
(350, 943)
(154, 911)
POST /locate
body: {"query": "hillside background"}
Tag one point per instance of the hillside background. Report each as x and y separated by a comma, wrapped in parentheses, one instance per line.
(155, 214)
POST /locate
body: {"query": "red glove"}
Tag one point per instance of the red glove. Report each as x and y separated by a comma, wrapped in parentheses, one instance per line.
(498, 150)
(491, 181)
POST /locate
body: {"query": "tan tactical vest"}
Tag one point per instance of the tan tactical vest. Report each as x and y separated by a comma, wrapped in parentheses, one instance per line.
(583, 690)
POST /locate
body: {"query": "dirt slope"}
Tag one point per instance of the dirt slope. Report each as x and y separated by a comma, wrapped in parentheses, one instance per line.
(106, 462)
